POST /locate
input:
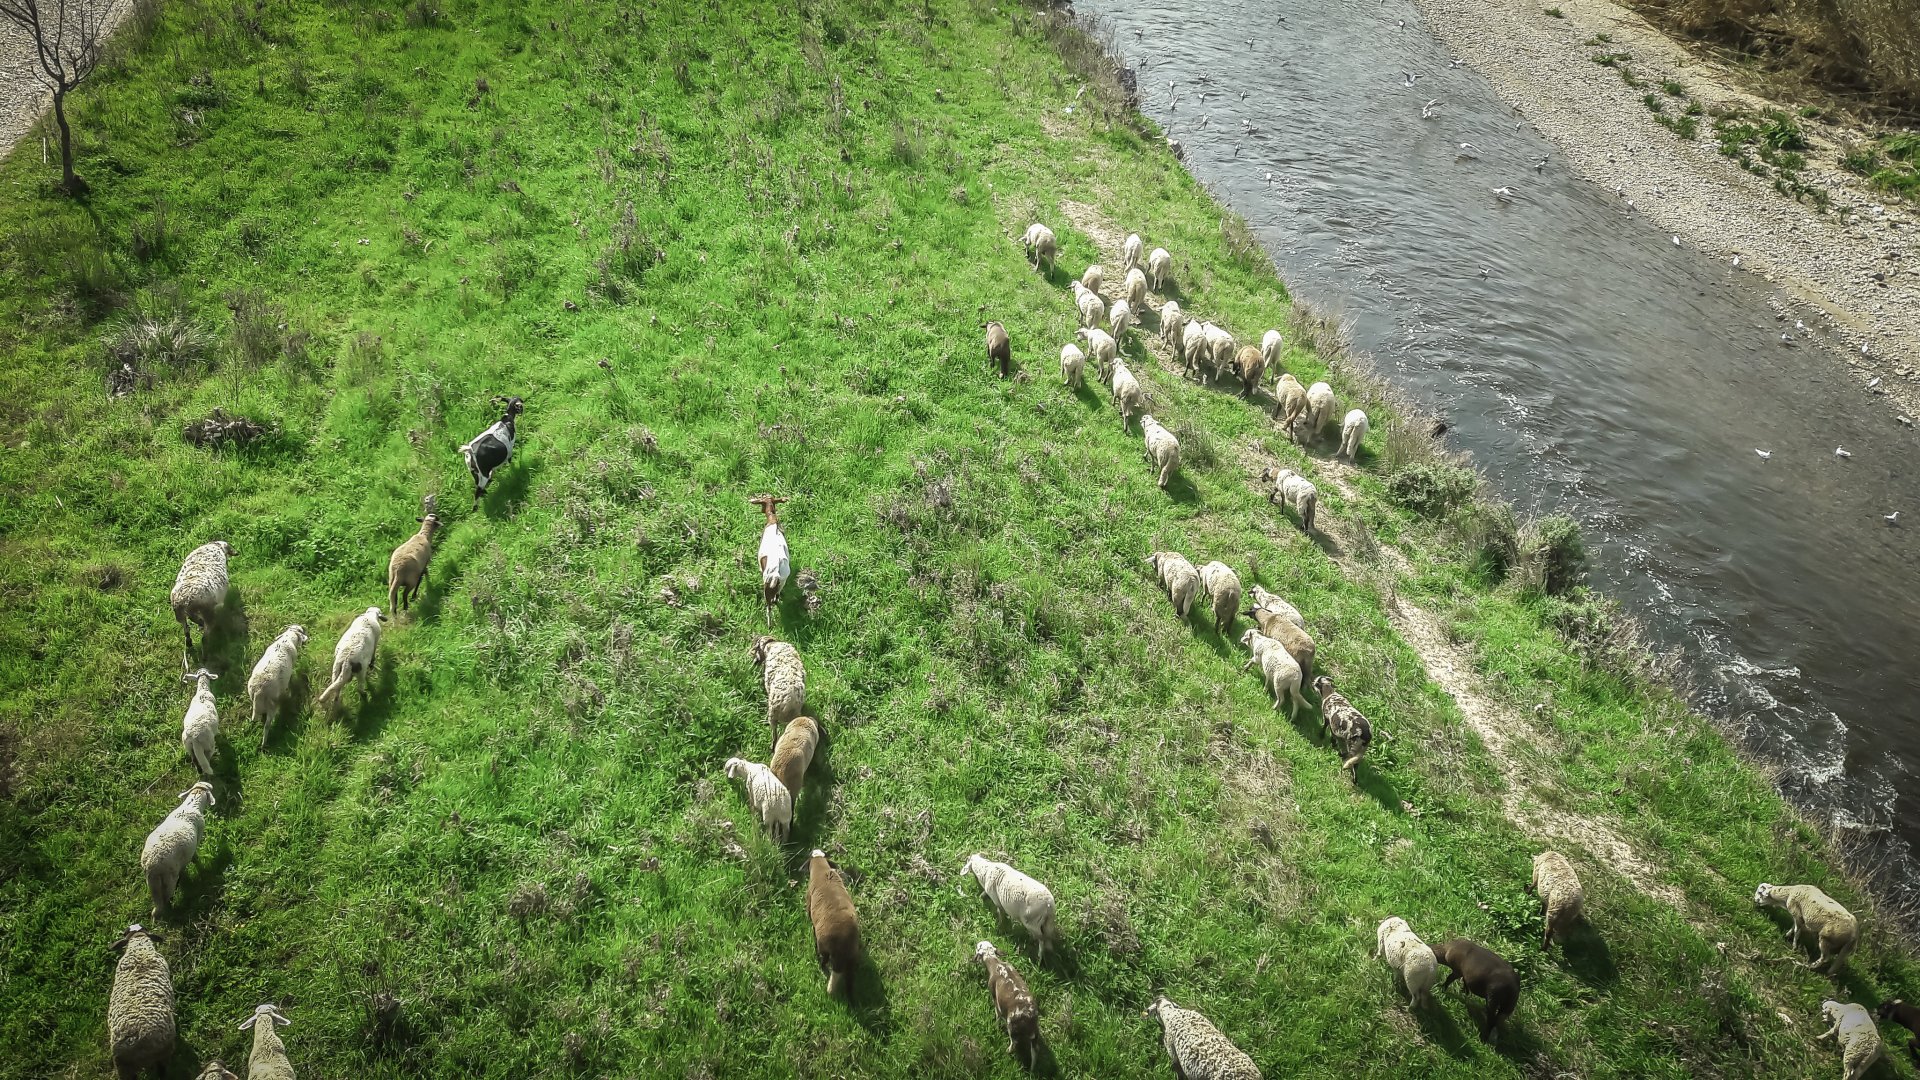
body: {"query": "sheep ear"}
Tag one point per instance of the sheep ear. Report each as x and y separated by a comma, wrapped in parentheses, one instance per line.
(248, 1022)
(281, 1020)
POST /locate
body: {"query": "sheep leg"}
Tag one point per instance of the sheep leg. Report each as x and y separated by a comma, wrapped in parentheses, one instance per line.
(1794, 941)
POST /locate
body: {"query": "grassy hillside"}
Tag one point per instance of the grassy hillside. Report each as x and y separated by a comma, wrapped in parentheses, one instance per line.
(724, 249)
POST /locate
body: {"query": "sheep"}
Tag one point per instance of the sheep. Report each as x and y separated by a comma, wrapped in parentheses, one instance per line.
(492, 448)
(1012, 1003)
(1271, 346)
(1222, 346)
(200, 731)
(776, 562)
(1163, 450)
(1073, 366)
(1249, 364)
(1266, 601)
(353, 658)
(1130, 253)
(1278, 671)
(1018, 897)
(1907, 1017)
(268, 1061)
(793, 754)
(1318, 414)
(1353, 432)
(267, 686)
(1289, 401)
(217, 1071)
(1101, 348)
(1159, 266)
(1837, 931)
(1298, 643)
(1291, 490)
(1409, 957)
(836, 926)
(1092, 278)
(407, 568)
(1195, 356)
(999, 348)
(1120, 317)
(140, 1026)
(173, 843)
(1172, 321)
(1178, 577)
(1198, 1049)
(1349, 728)
(1135, 288)
(1127, 395)
(1222, 587)
(1562, 899)
(199, 592)
(1854, 1030)
(1483, 974)
(1040, 245)
(771, 801)
(785, 680)
(1093, 310)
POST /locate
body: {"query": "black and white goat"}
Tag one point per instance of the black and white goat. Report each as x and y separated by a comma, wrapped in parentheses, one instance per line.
(775, 561)
(491, 449)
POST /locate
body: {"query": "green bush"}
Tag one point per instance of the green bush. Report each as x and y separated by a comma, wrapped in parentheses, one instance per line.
(1431, 488)
(1555, 552)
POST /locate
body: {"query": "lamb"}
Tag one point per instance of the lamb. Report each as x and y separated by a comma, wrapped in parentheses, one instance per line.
(1249, 364)
(1222, 587)
(1127, 395)
(1073, 366)
(173, 843)
(269, 1058)
(1353, 432)
(785, 680)
(776, 562)
(1854, 1030)
(999, 348)
(1318, 414)
(1271, 346)
(492, 448)
(200, 730)
(1485, 975)
(1194, 353)
(1092, 278)
(140, 1026)
(1172, 321)
(1561, 897)
(1135, 288)
(1266, 601)
(1159, 266)
(793, 754)
(1837, 931)
(1291, 490)
(407, 569)
(1101, 347)
(1353, 734)
(1120, 316)
(1012, 1003)
(200, 591)
(1298, 643)
(1018, 897)
(1278, 671)
(1198, 1049)
(1163, 450)
(353, 658)
(771, 801)
(1040, 245)
(1409, 957)
(1093, 310)
(1289, 401)
(1907, 1017)
(1222, 345)
(1130, 253)
(1178, 577)
(267, 686)
(836, 927)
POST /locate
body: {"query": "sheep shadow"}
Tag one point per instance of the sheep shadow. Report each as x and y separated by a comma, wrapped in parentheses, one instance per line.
(376, 705)
(1585, 954)
(1373, 783)
(867, 998)
(810, 809)
(1180, 489)
(1326, 543)
(1044, 1063)
(226, 777)
(295, 710)
(507, 493)
(442, 575)
(229, 630)
(204, 877)
(182, 1065)
(1439, 1027)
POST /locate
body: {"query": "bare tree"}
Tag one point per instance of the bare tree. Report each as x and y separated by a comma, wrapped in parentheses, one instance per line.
(66, 37)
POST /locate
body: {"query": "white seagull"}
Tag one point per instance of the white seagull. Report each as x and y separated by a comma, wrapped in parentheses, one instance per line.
(1893, 518)
(1841, 452)
(1503, 192)
(1456, 62)
(1764, 454)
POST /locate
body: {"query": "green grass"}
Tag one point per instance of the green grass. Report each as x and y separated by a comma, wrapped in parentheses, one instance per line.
(1891, 164)
(723, 249)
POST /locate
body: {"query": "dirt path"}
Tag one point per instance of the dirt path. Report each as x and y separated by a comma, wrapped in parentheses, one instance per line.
(25, 92)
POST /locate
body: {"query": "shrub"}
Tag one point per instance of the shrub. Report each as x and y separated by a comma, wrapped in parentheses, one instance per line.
(1492, 537)
(1431, 488)
(1554, 554)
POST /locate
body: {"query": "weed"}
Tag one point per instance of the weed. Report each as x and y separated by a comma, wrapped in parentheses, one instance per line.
(1673, 89)
(1431, 489)
(1553, 13)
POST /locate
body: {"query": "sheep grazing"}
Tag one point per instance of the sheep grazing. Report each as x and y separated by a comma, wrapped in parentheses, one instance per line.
(1561, 897)
(1484, 975)
(1222, 587)
(268, 1061)
(1073, 366)
(836, 927)
(1813, 911)
(1101, 347)
(793, 754)
(1249, 365)
(1159, 269)
(1409, 957)
(785, 680)
(1120, 317)
(200, 731)
(999, 348)
(407, 568)
(1266, 601)
(1172, 322)
(1907, 1017)
(1276, 625)
(1195, 356)
(1130, 253)
(1163, 450)
(1279, 671)
(1271, 346)
(1135, 288)
(1012, 1003)
(1093, 310)
(1353, 432)
(1289, 401)
(1018, 897)
(353, 658)
(771, 801)
(1316, 417)
(492, 448)
(1198, 1049)
(776, 563)
(1295, 492)
(1040, 245)
(200, 591)
(140, 1027)
(267, 686)
(1350, 730)
(173, 843)
(1092, 278)
(1854, 1030)
(1127, 395)
(1178, 577)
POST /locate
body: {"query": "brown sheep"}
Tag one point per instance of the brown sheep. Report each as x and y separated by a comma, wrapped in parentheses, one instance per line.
(1298, 643)
(999, 348)
(1012, 1003)
(407, 569)
(793, 754)
(836, 927)
(1250, 364)
(1484, 975)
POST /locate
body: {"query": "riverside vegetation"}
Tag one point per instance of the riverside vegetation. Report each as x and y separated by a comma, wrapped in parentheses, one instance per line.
(726, 249)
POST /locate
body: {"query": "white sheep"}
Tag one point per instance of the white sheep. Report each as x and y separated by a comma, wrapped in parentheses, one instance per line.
(1222, 587)
(140, 1026)
(1159, 266)
(1195, 355)
(1859, 1038)
(1813, 911)
(1318, 415)
(268, 1061)
(1101, 348)
(1291, 490)
(1127, 395)
(771, 801)
(1278, 670)
(1040, 246)
(200, 590)
(216, 1071)
(1199, 1050)
(1266, 601)
(1408, 957)
(1073, 365)
(1353, 432)
(1135, 288)
(353, 658)
(200, 731)
(1221, 346)
(1172, 321)
(1163, 450)
(1093, 310)
(785, 679)
(1130, 253)
(267, 686)
(1018, 897)
(1271, 346)
(173, 843)
(1120, 317)
(1178, 577)
(1561, 897)
(1092, 278)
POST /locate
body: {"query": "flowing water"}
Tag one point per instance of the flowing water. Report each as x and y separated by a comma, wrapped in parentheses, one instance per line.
(1596, 369)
